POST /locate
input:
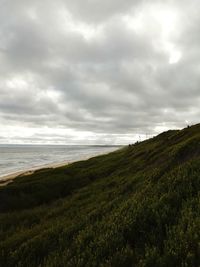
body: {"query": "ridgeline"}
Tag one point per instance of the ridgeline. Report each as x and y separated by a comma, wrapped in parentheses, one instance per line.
(138, 206)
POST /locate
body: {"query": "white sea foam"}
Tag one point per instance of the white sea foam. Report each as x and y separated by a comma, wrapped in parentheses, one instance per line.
(14, 158)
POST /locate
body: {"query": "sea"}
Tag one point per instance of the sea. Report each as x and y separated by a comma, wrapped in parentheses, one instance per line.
(16, 158)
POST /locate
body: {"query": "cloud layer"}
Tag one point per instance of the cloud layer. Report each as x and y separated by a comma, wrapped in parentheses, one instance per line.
(97, 71)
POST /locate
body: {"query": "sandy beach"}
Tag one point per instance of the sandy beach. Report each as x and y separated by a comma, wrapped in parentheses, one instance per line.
(7, 179)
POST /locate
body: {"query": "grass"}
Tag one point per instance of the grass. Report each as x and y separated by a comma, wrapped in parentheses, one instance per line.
(138, 206)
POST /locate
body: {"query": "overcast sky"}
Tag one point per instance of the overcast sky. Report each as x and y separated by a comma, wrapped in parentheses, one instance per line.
(97, 71)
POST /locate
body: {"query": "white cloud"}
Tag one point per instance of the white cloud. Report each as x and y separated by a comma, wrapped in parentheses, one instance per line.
(101, 71)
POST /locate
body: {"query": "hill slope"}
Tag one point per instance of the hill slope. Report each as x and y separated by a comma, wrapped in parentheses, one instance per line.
(138, 206)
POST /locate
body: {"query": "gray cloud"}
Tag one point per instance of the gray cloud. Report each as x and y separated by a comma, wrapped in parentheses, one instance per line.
(97, 11)
(105, 70)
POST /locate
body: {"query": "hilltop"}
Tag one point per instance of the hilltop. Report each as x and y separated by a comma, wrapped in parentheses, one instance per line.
(137, 206)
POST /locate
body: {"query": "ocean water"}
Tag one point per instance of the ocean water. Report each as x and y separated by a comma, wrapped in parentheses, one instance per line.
(14, 158)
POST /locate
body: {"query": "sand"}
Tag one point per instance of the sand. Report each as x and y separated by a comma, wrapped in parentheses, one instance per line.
(7, 179)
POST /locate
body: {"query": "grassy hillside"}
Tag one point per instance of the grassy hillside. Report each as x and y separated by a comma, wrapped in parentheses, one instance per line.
(138, 206)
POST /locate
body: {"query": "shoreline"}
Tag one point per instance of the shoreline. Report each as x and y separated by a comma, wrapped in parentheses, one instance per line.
(8, 178)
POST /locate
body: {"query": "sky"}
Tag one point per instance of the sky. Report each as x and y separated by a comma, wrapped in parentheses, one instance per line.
(97, 71)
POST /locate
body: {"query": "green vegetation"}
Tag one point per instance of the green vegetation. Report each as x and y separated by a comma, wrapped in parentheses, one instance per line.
(138, 206)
